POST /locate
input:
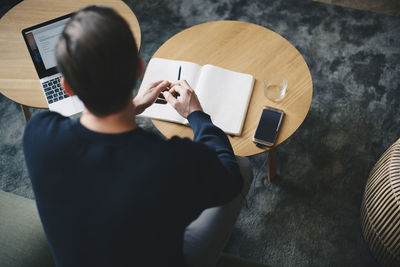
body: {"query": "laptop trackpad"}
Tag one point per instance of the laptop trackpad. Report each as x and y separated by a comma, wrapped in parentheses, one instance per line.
(68, 106)
(78, 104)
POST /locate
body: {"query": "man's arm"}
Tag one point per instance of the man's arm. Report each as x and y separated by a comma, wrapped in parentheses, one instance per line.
(207, 133)
(214, 164)
(183, 98)
(188, 105)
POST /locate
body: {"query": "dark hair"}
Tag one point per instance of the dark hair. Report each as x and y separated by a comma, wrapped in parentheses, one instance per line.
(98, 56)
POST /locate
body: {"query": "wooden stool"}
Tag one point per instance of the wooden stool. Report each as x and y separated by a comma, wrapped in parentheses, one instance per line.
(380, 208)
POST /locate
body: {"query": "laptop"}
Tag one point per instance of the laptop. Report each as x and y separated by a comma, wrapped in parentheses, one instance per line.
(41, 41)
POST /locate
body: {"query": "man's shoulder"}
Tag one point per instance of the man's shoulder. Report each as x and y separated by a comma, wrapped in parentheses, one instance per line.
(44, 118)
(44, 125)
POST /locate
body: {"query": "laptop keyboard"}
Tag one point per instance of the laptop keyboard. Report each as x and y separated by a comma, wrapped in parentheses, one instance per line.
(53, 90)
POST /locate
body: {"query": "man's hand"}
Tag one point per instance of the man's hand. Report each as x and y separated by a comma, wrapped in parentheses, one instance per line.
(186, 101)
(146, 97)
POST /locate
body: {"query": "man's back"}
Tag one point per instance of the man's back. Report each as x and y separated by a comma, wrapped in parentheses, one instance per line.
(121, 199)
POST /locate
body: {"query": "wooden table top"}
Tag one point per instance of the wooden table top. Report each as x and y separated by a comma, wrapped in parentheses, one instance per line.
(247, 48)
(18, 78)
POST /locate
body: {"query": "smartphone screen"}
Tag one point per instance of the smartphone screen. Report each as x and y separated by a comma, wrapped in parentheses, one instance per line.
(268, 126)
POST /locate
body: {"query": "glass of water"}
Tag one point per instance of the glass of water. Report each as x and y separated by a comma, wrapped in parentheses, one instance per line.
(275, 86)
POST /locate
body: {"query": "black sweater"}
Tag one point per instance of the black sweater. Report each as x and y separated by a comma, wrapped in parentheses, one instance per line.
(124, 199)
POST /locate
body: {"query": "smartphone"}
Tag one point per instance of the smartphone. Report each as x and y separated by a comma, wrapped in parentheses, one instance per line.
(268, 126)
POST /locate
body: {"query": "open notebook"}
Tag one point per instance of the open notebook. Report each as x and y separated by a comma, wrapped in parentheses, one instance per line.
(223, 94)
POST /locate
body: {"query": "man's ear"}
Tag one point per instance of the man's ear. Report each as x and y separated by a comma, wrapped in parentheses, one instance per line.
(140, 68)
(66, 87)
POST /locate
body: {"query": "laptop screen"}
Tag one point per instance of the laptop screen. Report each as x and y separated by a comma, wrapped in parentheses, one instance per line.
(41, 41)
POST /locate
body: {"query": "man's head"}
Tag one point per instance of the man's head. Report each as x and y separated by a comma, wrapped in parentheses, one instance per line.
(98, 56)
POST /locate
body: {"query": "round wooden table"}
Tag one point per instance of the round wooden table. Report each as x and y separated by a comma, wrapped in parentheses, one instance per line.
(18, 78)
(253, 49)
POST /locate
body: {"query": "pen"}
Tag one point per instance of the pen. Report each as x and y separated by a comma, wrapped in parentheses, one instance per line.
(179, 73)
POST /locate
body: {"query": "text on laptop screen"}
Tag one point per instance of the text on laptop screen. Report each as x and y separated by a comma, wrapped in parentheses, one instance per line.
(43, 41)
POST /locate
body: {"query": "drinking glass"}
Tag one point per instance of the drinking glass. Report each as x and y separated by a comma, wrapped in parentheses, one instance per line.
(275, 86)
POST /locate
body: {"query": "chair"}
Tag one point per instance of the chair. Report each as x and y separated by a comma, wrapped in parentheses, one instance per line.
(380, 209)
(22, 240)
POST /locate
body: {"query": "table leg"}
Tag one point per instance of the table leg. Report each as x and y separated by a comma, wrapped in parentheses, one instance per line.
(271, 163)
(26, 112)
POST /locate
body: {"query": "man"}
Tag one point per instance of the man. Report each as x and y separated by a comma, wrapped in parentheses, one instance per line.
(112, 194)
